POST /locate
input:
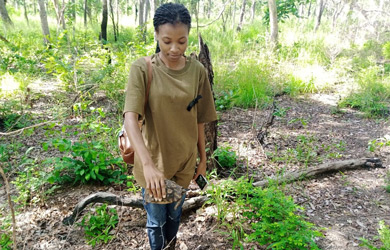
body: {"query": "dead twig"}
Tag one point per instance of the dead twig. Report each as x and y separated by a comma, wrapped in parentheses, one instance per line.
(22, 129)
(11, 207)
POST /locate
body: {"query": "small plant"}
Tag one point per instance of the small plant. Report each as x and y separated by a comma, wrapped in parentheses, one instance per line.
(384, 237)
(377, 144)
(387, 181)
(224, 100)
(225, 157)
(90, 161)
(5, 241)
(97, 225)
(273, 218)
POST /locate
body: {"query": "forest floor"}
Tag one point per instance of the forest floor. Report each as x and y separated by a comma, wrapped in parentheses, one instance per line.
(347, 205)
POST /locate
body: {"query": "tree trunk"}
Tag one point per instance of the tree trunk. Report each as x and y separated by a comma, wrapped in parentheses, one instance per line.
(239, 27)
(209, 9)
(141, 18)
(85, 12)
(234, 14)
(273, 20)
(4, 14)
(319, 11)
(113, 20)
(44, 23)
(309, 10)
(25, 12)
(211, 128)
(253, 10)
(147, 11)
(103, 32)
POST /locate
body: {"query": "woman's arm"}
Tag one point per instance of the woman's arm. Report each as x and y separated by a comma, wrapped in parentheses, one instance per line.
(155, 180)
(201, 170)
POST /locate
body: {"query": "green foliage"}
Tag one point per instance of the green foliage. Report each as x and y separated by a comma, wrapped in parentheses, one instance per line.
(97, 225)
(373, 95)
(89, 162)
(307, 150)
(387, 181)
(274, 218)
(225, 157)
(5, 241)
(384, 237)
(285, 8)
(224, 100)
(12, 116)
(377, 144)
(386, 50)
(32, 181)
(250, 82)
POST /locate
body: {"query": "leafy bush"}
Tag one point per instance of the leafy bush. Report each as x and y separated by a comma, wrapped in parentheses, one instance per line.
(90, 161)
(373, 96)
(5, 241)
(225, 157)
(274, 218)
(97, 225)
(250, 81)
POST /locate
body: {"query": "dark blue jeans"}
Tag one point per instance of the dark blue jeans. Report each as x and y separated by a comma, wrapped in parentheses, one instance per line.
(162, 222)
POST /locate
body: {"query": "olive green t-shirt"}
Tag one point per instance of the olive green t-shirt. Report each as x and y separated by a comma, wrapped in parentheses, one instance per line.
(170, 131)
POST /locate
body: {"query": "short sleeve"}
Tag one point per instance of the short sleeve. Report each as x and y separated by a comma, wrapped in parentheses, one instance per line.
(206, 108)
(135, 89)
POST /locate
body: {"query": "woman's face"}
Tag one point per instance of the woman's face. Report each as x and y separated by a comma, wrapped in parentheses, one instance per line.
(173, 41)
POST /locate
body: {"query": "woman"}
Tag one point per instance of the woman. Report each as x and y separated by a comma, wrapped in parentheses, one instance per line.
(173, 131)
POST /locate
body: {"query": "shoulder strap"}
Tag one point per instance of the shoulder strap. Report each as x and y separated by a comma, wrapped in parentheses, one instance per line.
(148, 60)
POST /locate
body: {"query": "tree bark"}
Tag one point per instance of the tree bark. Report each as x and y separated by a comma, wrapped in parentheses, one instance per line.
(319, 11)
(141, 18)
(85, 12)
(44, 23)
(4, 14)
(11, 207)
(234, 14)
(103, 32)
(273, 20)
(25, 12)
(211, 128)
(113, 20)
(239, 26)
(253, 10)
(321, 169)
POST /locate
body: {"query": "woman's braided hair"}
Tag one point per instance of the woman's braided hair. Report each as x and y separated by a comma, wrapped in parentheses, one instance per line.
(172, 13)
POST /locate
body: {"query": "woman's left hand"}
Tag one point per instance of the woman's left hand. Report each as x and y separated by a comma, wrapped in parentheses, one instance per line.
(201, 170)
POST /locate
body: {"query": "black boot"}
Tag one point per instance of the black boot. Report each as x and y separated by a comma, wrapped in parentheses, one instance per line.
(171, 244)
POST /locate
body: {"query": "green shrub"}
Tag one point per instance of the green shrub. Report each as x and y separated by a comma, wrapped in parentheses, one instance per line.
(89, 161)
(274, 218)
(5, 241)
(97, 225)
(373, 96)
(225, 157)
(250, 82)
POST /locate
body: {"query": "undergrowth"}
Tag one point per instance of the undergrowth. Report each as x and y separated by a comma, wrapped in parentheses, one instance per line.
(265, 216)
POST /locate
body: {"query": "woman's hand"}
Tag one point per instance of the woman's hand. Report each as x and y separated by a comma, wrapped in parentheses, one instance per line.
(155, 182)
(201, 170)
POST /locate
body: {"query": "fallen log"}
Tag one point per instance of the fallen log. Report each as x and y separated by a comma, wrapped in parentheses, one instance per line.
(321, 169)
(112, 199)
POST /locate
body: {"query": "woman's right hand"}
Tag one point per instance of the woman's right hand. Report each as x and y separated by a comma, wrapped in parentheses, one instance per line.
(155, 181)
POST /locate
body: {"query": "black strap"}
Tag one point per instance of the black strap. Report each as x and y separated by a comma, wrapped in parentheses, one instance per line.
(193, 102)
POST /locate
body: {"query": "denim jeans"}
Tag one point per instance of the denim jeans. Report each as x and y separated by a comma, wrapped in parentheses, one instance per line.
(162, 222)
